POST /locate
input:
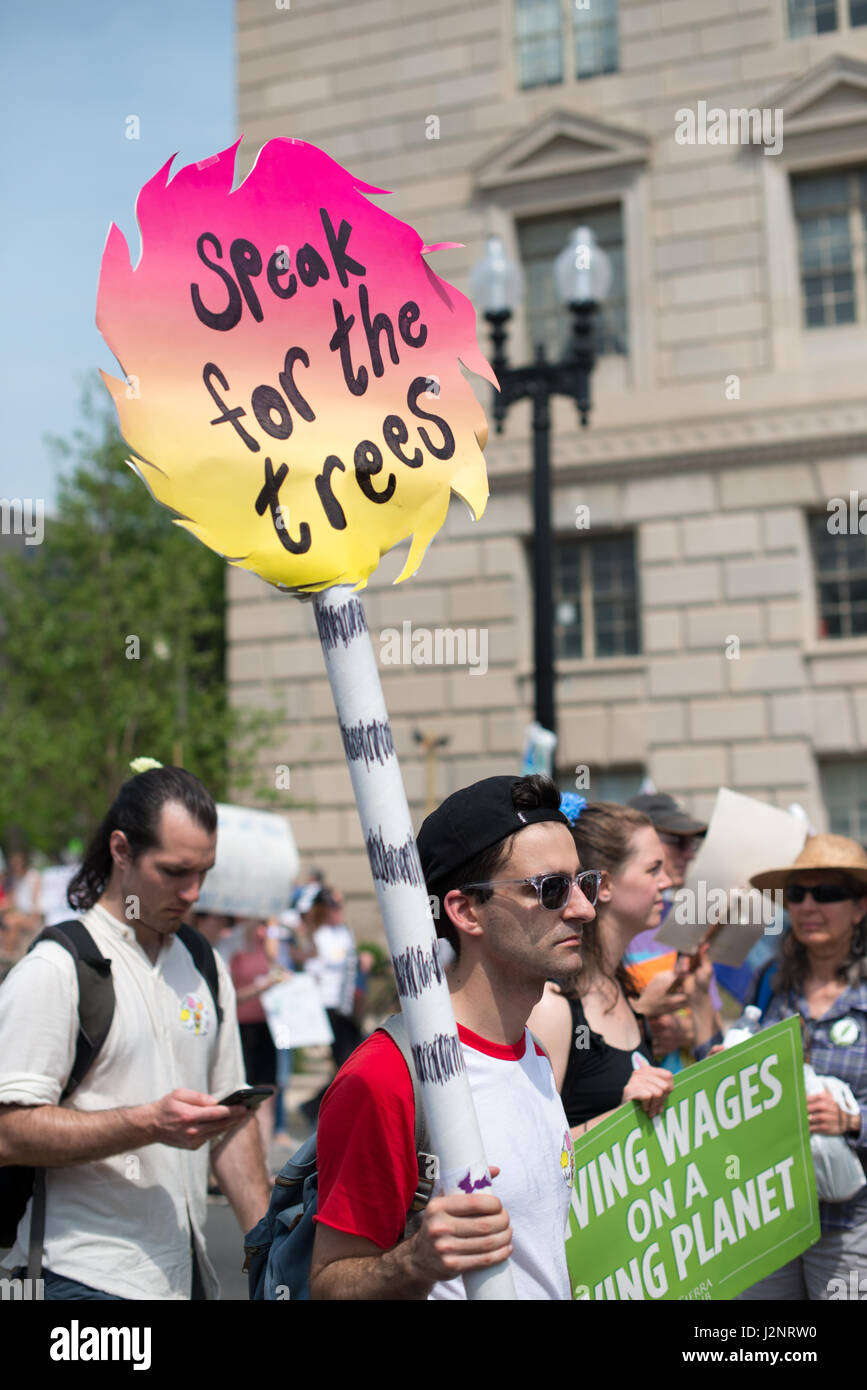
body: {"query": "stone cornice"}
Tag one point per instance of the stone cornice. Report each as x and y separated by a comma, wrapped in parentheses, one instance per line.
(778, 437)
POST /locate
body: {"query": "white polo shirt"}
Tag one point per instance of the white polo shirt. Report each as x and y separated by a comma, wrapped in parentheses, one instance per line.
(121, 1224)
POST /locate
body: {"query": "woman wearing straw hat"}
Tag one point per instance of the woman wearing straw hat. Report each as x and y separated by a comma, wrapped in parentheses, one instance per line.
(822, 976)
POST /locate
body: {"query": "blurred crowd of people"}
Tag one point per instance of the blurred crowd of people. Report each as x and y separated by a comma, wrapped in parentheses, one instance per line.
(632, 1013)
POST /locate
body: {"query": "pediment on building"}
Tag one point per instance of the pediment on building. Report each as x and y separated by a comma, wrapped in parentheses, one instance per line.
(561, 142)
(834, 93)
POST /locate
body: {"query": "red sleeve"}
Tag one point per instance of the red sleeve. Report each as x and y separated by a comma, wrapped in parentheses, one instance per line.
(365, 1145)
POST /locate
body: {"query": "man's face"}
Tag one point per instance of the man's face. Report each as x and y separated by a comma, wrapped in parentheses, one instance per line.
(336, 912)
(164, 882)
(519, 932)
(679, 850)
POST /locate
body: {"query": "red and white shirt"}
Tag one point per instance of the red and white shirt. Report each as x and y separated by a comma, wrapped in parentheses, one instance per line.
(368, 1170)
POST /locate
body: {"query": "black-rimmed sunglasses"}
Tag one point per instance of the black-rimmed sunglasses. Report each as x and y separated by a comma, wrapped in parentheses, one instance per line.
(822, 893)
(553, 890)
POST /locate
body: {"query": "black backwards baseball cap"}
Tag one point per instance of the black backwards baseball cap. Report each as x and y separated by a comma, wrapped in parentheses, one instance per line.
(472, 820)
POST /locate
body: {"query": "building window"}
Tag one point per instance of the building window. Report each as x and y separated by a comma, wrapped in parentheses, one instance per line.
(595, 597)
(811, 17)
(614, 784)
(618, 784)
(823, 16)
(540, 241)
(844, 785)
(539, 41)
(831, 212)
(841, 579)
(595, 34)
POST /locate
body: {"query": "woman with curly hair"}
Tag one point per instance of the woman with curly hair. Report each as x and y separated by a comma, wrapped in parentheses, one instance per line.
(822, 978)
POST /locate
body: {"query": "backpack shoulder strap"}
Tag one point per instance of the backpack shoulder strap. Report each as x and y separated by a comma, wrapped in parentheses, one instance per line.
(764, 988)
(95, 1012)
(95, 990)
(202, 953)
(396, 1029)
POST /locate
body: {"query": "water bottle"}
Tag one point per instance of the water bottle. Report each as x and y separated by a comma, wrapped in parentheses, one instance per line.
(745, 1027)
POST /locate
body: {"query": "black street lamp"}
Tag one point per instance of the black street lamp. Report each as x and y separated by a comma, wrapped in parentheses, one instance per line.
(582, 274)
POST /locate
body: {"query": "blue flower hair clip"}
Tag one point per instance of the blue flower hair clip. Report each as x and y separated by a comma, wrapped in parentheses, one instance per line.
(571, 804)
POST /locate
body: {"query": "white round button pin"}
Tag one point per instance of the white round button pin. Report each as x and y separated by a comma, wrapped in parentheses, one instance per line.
(845, 1032)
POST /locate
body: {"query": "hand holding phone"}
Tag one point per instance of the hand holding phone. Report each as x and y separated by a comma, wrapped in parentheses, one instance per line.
(249, 1096)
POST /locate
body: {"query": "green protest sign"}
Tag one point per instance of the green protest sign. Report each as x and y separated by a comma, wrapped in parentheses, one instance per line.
(709, 1197)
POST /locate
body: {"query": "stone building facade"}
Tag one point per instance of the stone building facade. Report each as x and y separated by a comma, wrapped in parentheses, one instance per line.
(728, 409)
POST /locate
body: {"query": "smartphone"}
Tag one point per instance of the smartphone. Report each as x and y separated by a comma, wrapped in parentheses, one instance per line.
(251, 1096)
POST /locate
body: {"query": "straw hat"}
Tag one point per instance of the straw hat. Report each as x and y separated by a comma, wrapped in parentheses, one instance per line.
(820, 852)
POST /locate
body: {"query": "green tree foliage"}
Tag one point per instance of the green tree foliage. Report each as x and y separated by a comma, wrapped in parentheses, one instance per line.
(113, 648)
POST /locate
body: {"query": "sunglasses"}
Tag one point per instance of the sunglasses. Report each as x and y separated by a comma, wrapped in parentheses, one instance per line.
(821, 893)
(683, 842)
(553, 890)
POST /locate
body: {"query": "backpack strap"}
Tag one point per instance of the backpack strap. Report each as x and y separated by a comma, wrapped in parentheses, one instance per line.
(763, 991)
(202, 953)
(95, 1013)
(428, 1170)
(95, 991)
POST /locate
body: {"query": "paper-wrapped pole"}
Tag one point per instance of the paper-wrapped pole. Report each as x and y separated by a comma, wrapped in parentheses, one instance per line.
(403, 901)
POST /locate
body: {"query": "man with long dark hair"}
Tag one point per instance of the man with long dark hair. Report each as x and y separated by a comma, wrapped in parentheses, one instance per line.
(127, 1156)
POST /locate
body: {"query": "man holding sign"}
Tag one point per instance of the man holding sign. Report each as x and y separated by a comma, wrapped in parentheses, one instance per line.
(501, 863)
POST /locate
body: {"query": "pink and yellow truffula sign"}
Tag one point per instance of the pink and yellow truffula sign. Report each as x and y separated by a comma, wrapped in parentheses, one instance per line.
(293, 387)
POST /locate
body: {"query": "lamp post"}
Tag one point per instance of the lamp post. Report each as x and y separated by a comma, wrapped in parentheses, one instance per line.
(582, 275)
(431, 743)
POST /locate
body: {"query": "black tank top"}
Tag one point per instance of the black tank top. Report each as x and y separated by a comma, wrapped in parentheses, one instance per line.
(596, 1073)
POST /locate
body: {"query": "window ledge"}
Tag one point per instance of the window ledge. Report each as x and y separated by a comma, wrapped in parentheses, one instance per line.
(836, 646)
(605, 665)
(833, 340)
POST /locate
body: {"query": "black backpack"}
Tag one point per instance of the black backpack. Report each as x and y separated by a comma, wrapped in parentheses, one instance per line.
(279, 1248)
(95, 1013)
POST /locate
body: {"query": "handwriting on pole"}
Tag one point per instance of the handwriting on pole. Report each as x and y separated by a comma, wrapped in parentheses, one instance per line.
(393, 863)
(340, 624)
(371, 741)
(415, 969)
(438, 1061)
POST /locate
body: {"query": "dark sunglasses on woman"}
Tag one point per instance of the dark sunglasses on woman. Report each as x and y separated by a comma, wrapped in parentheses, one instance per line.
(822, 893)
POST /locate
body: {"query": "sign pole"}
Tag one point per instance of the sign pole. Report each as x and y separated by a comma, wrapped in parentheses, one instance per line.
(405, 907)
